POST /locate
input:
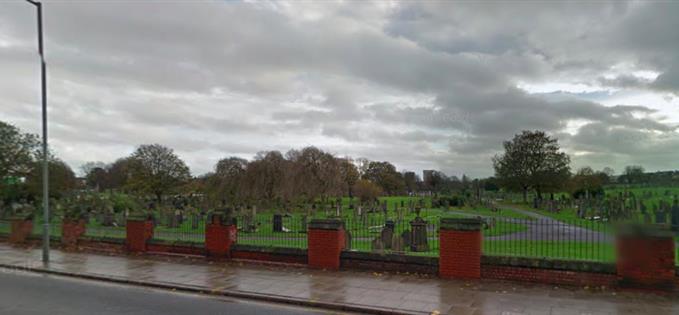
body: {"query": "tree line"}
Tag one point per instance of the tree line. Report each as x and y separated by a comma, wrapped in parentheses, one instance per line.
(531, 162)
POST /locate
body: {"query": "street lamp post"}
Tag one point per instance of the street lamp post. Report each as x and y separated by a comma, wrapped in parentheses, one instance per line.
(45, 170)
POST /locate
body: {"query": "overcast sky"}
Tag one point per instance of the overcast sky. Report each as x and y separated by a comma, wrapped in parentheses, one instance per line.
(433, 85)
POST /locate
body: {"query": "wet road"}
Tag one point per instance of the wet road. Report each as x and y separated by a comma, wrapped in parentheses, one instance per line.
(29, 293)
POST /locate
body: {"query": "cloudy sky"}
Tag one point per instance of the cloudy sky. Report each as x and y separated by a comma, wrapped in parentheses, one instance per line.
(433, 85)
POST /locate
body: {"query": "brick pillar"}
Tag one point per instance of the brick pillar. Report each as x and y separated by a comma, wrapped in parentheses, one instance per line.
(139, 231)
(460, 248)
(220, 234)
(71, 230)
(326, 242)
(645, 257)
(21, 229)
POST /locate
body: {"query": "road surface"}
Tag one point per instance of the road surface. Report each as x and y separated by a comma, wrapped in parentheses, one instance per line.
(29, 293)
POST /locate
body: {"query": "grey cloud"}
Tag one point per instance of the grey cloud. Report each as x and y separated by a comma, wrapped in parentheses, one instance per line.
(425, 85)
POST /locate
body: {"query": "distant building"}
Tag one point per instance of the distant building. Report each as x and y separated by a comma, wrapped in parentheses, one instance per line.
(427, 177)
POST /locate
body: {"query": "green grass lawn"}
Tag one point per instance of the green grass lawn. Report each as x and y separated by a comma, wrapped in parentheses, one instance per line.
(551, 249)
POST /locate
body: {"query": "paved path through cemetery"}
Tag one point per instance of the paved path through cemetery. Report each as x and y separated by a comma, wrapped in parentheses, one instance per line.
(357, 291)
(544, 228)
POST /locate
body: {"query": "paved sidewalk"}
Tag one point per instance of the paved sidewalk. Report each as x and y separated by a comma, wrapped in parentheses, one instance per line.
(356, 291)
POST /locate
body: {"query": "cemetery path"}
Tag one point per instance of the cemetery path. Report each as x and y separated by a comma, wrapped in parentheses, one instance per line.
(346, 290)
(545, 228)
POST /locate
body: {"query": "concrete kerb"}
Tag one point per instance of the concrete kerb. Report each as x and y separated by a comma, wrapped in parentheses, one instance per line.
(227, 293)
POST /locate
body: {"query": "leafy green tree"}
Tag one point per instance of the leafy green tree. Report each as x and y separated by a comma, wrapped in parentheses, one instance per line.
(532, 160)
(385, 175)
(366, 190)
(634, 174)
(349, 175)
(225, 182)
(586, 182)
(265, 177)
(61, 179)
(157, 170)
(18, 151)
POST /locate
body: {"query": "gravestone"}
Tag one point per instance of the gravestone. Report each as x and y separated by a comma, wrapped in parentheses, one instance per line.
(418, 239)
(405, 235)
(195, 221)
(387, 234)
(248, 224)
(376, 245)
(675, 214)
(397, 244)
(303, 228)
(347, 240)
(180, 216)
(107, 219)
(277, 223)
(660, 216)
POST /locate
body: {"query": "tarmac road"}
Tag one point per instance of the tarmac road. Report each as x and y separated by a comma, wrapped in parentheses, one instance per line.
(30, 293)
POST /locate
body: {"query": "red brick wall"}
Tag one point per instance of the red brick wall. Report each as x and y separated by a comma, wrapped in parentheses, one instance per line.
(175, 249)
(263, 256)
(71, 231)
(21, 229)
(646, 262)
(219, 238)
(325, 247)
(548, 276)
(388, 266)
(138, 233)
(460, 254)
(99, 246)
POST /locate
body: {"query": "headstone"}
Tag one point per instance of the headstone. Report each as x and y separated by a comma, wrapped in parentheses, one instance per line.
(397, 244)
(180, 217)
(277, 223)
(418, 240)
(387, 234)
(347, 240)
(248, 224)
(405, 235)
(195, 221)
(108, 219)
(303, 228)
(660, 216)
(675, 214)
(377, 245)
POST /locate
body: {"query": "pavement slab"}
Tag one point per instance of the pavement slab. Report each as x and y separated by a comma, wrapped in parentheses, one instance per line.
(356, 291)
